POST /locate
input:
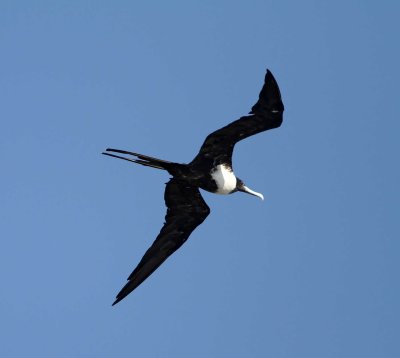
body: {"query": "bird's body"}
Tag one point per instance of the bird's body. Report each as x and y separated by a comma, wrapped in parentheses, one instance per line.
(224, 179)
(210, 170)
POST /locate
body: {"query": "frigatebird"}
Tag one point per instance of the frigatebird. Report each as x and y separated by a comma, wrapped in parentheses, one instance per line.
(210, 170)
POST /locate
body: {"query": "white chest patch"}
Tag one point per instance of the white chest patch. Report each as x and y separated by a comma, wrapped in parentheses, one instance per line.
(225, 179)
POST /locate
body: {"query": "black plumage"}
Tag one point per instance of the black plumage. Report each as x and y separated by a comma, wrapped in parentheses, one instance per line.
(186, 209)
(210, 170)
(266, 114)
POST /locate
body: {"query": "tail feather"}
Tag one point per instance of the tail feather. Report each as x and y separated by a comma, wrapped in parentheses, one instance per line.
(143, 159)
(140, 156)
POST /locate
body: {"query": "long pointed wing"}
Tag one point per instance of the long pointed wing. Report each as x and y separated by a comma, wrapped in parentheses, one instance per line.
(266, 114)
(186, 209)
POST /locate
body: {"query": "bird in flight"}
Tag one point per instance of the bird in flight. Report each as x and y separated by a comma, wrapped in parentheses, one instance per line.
(210, 170)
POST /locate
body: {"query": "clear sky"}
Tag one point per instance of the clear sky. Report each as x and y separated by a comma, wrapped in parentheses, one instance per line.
(313, 271)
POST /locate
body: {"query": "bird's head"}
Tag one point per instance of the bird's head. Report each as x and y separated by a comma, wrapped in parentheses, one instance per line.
(241, 187)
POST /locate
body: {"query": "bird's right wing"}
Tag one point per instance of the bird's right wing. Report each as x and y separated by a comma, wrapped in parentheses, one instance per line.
(186, 209)
(266, 114)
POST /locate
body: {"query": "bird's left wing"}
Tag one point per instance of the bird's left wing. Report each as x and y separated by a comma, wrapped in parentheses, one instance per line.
(186, 209)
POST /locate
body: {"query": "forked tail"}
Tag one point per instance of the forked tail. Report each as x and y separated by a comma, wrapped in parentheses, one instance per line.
(142, 159)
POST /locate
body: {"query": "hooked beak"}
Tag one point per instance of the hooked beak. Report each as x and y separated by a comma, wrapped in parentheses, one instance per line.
(247, 190)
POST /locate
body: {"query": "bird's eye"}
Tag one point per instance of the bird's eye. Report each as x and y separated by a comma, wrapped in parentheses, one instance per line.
(274, 111)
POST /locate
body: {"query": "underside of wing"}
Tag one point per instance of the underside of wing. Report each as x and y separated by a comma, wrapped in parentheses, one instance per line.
(266, 114)
(186, 209)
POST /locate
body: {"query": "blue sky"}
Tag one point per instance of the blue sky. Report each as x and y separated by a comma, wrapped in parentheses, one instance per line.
(310, 272)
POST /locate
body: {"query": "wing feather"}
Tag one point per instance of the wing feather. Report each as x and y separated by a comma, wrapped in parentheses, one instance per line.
(266, 114)
(186, 209)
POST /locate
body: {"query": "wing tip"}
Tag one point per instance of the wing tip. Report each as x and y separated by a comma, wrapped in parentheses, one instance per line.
(270, 95)
(269, 77)
(121, 295)
(116, 301)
